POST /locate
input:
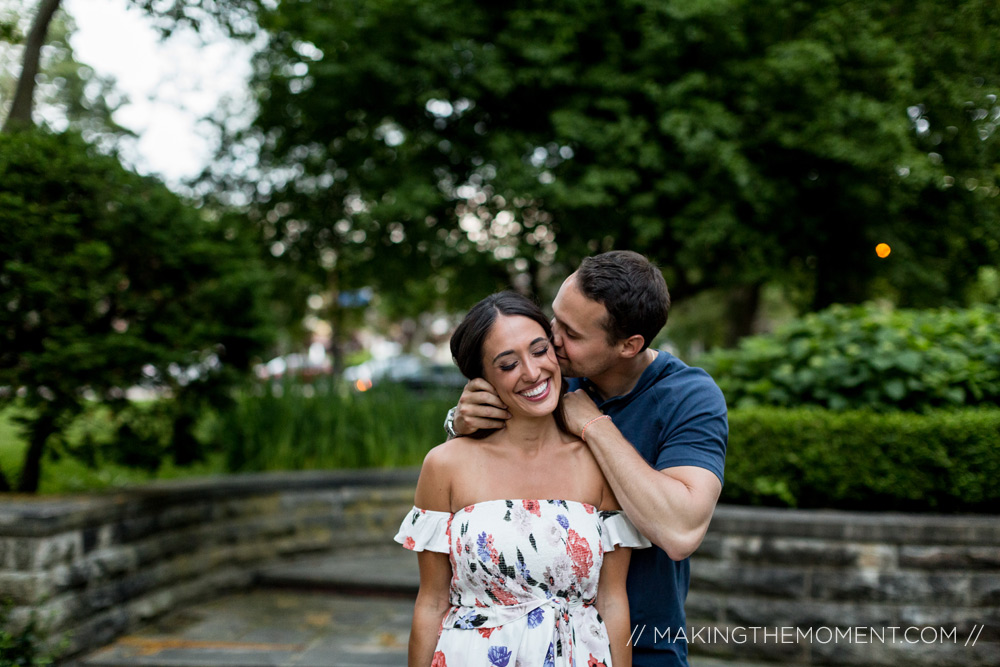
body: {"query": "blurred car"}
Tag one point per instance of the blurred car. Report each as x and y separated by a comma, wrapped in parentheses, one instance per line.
(407, 370)
(305, 366)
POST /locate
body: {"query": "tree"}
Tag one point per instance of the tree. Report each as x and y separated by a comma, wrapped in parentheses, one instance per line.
(88, 312)
(736, 143)
(68, 93)
(24, 94)
(72, 84)
(108, 280)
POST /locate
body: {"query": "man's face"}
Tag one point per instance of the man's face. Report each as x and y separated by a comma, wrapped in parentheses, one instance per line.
(580, 340)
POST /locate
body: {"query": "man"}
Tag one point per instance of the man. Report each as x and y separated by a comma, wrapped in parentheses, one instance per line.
(663, 450)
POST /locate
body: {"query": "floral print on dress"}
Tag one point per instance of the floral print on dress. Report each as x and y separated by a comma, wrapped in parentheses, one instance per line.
(524, 580)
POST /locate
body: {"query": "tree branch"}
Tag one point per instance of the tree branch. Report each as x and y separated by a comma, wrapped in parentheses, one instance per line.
(21, 108)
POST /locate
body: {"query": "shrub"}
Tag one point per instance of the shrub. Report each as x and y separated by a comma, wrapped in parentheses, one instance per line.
(867, 357)
(107, 281)
(944, 460)
(328, 425)
(21, 647)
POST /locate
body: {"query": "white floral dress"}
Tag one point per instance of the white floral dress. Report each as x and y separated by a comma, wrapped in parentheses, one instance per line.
(524, 579)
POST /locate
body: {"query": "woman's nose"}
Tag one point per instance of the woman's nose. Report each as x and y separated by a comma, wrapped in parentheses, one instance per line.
(530, 368)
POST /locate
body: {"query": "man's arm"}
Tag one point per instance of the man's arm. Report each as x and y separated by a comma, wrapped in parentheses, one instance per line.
(671, 507)
(479, 407)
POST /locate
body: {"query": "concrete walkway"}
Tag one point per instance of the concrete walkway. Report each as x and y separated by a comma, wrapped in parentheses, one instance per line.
(347, 610)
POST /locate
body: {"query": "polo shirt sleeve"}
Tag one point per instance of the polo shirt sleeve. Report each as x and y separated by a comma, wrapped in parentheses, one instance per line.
(696, 431)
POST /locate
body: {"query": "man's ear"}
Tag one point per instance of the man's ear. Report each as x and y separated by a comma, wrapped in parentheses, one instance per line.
(632, 346)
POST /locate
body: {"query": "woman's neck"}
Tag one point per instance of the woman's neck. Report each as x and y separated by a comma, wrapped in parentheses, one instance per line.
(531, 434)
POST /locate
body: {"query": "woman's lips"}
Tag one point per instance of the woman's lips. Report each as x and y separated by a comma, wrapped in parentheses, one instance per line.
(542, 389)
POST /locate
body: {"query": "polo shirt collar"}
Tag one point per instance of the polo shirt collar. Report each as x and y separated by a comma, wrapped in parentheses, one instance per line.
(648, 378)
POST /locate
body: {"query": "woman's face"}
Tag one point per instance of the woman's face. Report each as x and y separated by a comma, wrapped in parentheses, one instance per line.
(520, 362)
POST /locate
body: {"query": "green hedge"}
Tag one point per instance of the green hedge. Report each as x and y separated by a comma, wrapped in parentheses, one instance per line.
(867, 357)
(942, 461)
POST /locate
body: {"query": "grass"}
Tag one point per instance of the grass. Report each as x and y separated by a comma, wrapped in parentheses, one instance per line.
(327, 425)
(67, 474)
(289, 426)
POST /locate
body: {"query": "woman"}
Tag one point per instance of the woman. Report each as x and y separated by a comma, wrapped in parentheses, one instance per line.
(517, 528)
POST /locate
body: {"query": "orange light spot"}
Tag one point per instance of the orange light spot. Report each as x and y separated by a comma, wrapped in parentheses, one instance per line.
(363, 385)
(883, 250)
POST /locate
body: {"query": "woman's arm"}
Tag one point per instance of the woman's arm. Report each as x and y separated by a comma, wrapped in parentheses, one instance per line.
(433, 493)
(612, 604)
(431, 606)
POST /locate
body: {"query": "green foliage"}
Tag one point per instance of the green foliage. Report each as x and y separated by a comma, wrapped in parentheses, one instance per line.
(945, 460)
(85, 457)
(22, 647)
(69, 93)
(737, 143)
(867, 357)
(286, 426)
(107, 281)
(326, 425)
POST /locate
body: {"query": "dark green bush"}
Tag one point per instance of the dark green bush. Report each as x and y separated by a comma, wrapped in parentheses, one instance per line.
(108, 280)
(21, 647)
(943, 460)
(867, 357)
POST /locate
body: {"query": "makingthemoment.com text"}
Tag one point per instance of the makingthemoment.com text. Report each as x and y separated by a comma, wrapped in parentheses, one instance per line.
(794, 635)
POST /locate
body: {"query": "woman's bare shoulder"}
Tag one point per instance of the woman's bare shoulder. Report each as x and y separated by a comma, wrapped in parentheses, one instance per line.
(446, 455)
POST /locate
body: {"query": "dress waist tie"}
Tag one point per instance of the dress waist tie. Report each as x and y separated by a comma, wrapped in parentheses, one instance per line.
(561, 651)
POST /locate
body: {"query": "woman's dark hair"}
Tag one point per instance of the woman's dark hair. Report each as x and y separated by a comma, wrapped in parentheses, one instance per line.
(470, 335)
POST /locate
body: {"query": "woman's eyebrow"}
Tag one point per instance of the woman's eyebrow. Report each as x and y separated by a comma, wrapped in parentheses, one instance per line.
(502, 354)
(505, 352)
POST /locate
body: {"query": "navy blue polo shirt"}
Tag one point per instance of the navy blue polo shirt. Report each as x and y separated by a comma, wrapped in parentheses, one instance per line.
(674, 416)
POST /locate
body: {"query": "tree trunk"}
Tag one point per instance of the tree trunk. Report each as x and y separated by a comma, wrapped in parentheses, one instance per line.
(20, 110)
(742, 304)
(4, 484)
(186, 447)
(43, 426)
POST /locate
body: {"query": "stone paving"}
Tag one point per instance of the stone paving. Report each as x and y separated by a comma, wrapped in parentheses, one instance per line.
(346, 610)
(271, 627)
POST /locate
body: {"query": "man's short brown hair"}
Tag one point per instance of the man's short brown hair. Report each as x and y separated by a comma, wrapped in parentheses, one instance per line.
(633, 291)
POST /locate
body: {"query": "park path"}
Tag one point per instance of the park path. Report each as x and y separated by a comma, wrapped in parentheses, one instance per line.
(350, 609)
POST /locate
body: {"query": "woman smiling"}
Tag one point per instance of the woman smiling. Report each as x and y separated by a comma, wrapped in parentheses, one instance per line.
(516, 529)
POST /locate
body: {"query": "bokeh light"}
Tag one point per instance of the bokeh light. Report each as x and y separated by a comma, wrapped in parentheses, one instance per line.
(883, 250)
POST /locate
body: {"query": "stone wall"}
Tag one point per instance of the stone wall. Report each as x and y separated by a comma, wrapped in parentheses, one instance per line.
(899, 588)
(767, 584)
(93, 567)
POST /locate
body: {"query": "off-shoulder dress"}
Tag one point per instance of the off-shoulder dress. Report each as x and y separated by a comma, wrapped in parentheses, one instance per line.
(524, 580)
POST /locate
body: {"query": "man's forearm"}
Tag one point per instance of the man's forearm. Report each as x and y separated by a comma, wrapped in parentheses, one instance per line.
(673, 512)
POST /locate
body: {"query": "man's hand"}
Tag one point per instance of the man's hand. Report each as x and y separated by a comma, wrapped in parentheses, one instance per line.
(578, 409)
(479, 407)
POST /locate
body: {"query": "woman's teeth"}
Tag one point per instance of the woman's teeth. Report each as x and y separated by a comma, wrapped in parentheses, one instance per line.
(537, 391)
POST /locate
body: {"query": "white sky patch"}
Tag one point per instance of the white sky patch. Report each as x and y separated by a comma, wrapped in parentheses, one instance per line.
(170, 84)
